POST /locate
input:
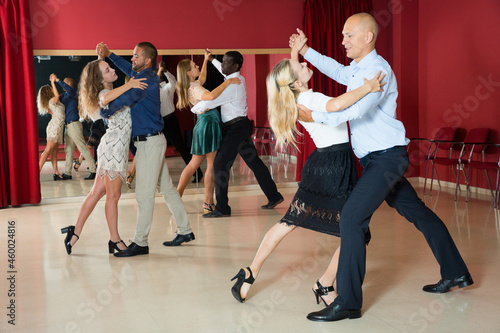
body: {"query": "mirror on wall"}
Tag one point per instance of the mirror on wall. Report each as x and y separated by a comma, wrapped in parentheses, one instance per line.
(72, 66)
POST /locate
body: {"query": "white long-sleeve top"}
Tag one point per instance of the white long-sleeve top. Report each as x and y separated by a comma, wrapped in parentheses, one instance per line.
(167, 91)
(233, 100)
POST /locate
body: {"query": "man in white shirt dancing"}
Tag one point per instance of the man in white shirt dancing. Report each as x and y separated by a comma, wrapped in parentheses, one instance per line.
(237, 129)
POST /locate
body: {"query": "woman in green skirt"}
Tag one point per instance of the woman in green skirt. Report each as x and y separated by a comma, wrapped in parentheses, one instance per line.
(207, 132)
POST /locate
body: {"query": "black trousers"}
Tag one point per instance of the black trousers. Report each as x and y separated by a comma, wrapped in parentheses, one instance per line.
(236, 139)
(172, 132)
(383, 179)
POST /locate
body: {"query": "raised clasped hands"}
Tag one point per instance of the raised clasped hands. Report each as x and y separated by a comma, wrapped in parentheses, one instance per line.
(376, 83)
(102, 50)
(208, 55)
(161, 66)
(53, 78)
(305, 114)
(138, 83)
(298, 41)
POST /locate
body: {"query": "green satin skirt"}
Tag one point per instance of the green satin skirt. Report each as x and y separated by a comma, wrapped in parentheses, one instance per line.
(207, 133)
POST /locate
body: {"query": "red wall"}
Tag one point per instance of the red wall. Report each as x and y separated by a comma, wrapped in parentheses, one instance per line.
(443, 53)
(458, 52)
(195, 24)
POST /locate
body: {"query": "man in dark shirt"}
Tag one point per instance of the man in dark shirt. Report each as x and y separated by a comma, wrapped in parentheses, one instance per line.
(148, 138)
(74, 129)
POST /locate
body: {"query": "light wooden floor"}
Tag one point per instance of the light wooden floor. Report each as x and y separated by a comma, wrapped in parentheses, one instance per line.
(187, 289)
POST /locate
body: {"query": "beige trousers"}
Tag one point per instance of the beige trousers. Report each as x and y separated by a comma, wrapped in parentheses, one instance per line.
(74, 136)
(151, 170)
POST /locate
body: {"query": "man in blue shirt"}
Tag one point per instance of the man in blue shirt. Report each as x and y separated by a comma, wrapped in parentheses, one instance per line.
(378, 140)
(74, 129)
(148, 138)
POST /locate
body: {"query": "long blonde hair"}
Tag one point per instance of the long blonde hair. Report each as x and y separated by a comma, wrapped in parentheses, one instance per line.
(90, 86)
(183, 83)
(282, 103)
(45, 94)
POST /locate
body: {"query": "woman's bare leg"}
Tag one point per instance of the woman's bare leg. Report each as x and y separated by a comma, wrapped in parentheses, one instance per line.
(188, 172)
(271, 240)
(53, 159)
(209, 178)
(329, 276)
(113, 193)
(96, 193)
(46, 153)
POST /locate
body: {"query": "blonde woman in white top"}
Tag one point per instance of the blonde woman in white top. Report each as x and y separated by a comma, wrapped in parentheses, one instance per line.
(329, 173)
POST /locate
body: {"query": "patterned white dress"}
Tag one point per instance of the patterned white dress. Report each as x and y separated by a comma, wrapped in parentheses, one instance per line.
(112, 152)
(56, 124)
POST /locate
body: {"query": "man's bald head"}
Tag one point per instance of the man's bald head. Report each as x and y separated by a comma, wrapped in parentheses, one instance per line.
(366, 23)
(360, 33)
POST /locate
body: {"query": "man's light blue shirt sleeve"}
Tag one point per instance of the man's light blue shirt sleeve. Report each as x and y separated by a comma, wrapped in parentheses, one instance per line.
(356, 111)
(328, 66)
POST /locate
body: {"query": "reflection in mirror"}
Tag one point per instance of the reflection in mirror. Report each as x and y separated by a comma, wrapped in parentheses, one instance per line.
(281, 164)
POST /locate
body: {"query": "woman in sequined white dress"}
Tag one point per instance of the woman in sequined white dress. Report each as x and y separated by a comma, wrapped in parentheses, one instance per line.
(48, 103)
(96, 92)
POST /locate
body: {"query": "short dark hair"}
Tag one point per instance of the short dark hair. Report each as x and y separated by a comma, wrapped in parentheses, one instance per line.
(236, 57)
(149, 51)
(71, 81)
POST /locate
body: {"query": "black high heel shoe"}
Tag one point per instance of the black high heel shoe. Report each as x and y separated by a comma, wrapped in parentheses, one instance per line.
(58, 177)
(236, 289)
(70, 231)
(209, 209)
(321, 291)
(112, 246)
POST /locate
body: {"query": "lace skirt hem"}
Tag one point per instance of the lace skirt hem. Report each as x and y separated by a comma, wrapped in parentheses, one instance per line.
(112, 175)
(327, 181)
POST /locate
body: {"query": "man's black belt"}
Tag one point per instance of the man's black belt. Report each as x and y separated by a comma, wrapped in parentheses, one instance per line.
(71, 122)
(145, 137)
(232, 121)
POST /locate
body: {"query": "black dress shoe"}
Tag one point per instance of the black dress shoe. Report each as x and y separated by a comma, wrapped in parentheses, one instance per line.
(90, 176)
(444, 286)
(334, 312)
(66, 177)
(133, 250)
(274, 203)
(215, 213)
(179, 239)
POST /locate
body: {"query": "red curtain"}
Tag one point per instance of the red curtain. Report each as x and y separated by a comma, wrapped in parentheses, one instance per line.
(323, 23)
(19, 176)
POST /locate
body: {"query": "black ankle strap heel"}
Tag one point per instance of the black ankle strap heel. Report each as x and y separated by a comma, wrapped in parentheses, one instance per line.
(112, 246)
(70, 232)
(321, 291)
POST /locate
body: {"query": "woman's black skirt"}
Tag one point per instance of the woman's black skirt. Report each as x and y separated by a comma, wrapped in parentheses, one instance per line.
(328, 178)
